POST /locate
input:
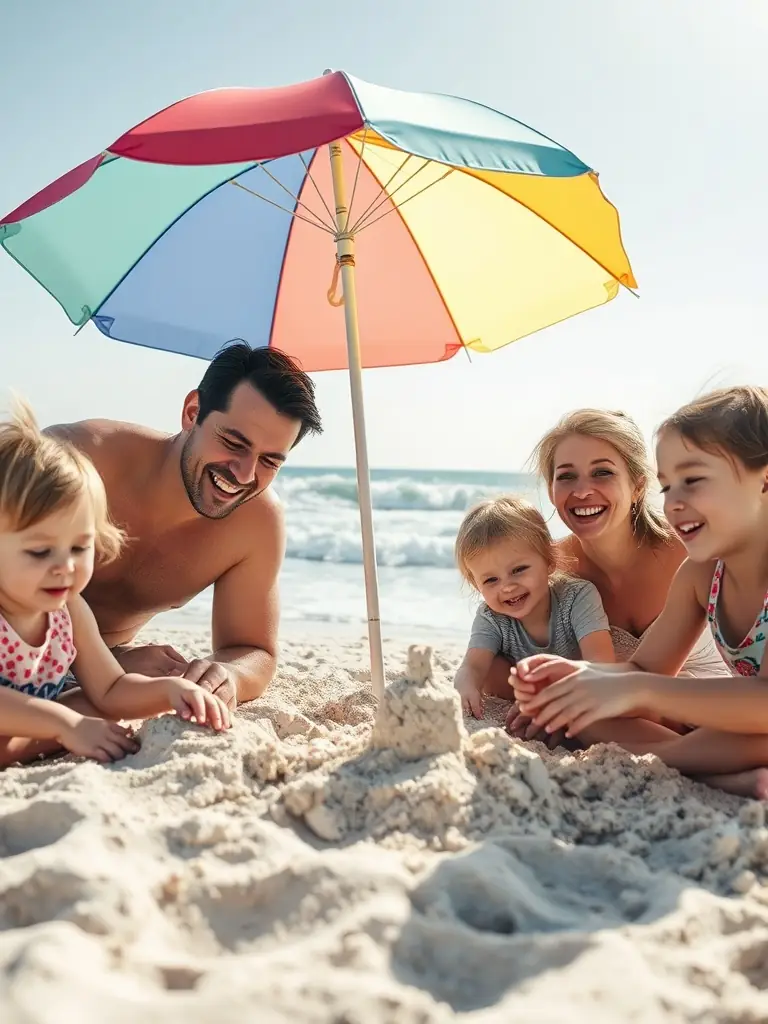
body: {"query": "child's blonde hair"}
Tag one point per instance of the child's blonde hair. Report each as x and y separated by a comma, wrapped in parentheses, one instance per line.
(623, 434)
(732, 421)
(40, 475)
(498, 519)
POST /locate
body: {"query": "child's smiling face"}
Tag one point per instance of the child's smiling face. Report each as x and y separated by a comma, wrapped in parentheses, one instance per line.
(715, 505)
(47, 564)
(512, 578)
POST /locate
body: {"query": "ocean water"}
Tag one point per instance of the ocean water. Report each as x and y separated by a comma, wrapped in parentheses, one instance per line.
(416, 516)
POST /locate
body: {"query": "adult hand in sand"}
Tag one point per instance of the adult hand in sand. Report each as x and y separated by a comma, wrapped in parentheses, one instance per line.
(523, 727)
(585, 696)
(215, 678)
(151, 660)
(199, 513)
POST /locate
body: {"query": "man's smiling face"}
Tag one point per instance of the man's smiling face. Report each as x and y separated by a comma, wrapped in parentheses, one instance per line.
(233, 455)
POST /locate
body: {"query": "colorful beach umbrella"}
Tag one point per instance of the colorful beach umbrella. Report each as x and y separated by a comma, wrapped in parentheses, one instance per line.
(347, 224)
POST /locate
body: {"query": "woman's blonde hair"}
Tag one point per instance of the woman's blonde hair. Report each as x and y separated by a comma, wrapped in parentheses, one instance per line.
(40, 475)
(498, 519)
(622, 433)
(733, 421)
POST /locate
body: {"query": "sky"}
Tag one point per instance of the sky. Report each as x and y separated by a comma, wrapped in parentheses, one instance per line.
(665, 99)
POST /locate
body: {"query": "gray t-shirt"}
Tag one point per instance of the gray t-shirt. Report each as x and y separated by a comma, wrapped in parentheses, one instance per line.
(576, 612)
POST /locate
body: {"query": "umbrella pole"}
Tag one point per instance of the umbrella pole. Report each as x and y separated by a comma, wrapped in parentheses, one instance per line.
(345, 255)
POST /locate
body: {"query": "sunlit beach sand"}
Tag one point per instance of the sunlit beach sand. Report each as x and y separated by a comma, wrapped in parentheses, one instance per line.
(306, 866)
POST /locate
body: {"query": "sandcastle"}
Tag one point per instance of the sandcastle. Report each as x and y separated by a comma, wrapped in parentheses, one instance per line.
(416, 774)
(417, 717)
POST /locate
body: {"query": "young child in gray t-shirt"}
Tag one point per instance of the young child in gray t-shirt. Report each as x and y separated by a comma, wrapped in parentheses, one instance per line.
(505, 552)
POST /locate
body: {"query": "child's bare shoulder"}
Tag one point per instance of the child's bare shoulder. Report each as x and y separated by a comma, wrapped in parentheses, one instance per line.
(697, 576)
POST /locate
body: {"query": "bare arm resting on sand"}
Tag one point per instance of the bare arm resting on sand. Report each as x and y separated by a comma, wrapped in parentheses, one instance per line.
(246, 614)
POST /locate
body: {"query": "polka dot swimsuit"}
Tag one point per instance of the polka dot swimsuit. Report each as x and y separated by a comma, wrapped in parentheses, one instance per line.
(39, 671)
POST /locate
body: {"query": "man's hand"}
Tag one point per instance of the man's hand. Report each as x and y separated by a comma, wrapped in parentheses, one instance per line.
(151, 660)
(214, 677)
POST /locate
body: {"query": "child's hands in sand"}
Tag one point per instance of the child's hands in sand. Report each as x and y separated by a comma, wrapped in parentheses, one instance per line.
(580, 699)
(96, 738)
(523, 727)
(471, 699)
(194, 704)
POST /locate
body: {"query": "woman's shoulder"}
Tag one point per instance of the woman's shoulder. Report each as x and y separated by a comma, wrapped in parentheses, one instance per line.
(668, 552)
(659, 560)
(570, 589)
(567, 545)
(571, 557)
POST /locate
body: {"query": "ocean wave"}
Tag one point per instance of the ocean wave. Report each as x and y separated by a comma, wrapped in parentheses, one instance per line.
(343, 545)
(399, 493)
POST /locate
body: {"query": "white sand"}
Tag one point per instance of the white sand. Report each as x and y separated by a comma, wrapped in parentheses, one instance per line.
(303, 868)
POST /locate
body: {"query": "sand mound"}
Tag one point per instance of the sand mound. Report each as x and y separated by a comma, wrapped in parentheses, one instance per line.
(322, 862)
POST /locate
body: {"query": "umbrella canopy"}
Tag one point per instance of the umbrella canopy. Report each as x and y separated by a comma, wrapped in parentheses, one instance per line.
(215, 218)
(260, 213)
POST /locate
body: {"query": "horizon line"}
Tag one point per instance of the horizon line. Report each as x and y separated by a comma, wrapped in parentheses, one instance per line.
(410, 469)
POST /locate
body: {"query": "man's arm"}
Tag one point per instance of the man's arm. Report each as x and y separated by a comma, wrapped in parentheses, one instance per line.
(246, 610)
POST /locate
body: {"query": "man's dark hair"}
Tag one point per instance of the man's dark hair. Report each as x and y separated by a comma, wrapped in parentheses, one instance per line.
(271, 372)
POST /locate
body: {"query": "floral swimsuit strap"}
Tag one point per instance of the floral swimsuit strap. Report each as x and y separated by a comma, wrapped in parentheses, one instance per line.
(746, 658)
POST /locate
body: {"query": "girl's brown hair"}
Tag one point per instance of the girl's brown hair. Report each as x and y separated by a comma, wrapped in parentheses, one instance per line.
(733, 421)
(622, 433)
(500, 519)
(40, 475)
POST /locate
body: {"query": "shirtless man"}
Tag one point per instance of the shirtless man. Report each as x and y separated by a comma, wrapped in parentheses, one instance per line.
(197, 510)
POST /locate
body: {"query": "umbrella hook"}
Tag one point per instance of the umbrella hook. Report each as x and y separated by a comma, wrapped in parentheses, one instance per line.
(347, 260)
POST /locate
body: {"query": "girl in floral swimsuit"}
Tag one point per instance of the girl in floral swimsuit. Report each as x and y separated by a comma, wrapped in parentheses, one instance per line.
(53, 523)
(713, 467)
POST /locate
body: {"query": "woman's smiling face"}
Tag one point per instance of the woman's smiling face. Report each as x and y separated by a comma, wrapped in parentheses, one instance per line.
(591, 486)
